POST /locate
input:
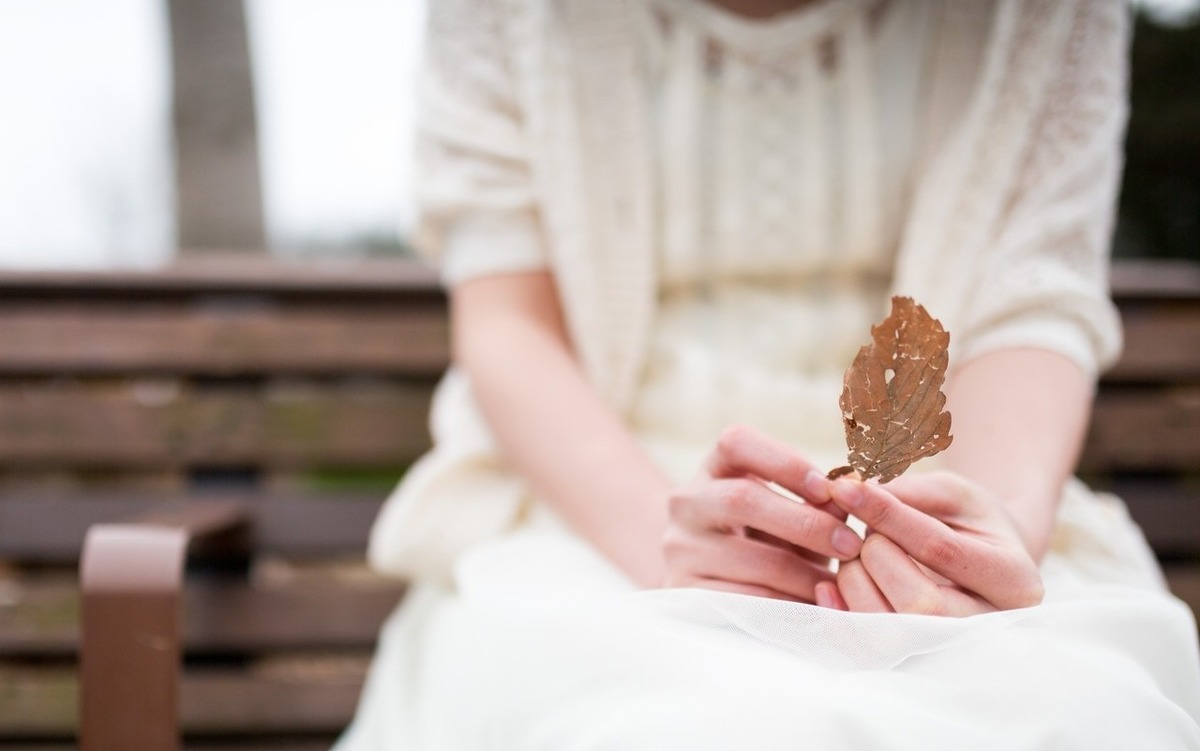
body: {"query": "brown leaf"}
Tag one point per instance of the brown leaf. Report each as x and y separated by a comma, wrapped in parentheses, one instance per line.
(892, 399)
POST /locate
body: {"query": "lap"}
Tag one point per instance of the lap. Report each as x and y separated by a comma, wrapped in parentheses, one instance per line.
(544, 646)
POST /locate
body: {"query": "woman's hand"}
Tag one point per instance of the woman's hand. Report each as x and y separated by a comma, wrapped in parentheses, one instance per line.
(938, 545)
(729, 530)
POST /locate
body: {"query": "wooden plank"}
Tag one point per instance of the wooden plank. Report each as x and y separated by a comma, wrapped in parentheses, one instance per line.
(321, 742)
(1184, 580)
(164, 424)
(37, 703)
(39, 616)
(1162, 343)
(49, 529)
(1144, 430)
(1156, 279)
(1131, 279)
(1167, 509)
(317, 742)
(115, 338)
(316, 696)
(216, 274)
(309, 698)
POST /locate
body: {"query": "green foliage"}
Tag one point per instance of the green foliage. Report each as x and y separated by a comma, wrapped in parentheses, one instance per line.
(1160, 195)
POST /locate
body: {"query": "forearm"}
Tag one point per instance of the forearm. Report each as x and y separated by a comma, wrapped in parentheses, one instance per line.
(1019, 421)
(552, 426)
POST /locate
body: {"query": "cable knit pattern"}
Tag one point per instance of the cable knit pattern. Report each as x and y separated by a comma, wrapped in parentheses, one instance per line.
(773, 262)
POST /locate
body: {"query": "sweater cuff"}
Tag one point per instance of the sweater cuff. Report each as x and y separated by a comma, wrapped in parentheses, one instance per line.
(1036, 330)
(483, 244)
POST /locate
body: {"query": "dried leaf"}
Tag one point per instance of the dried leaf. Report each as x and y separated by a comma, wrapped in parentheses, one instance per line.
(892, 399)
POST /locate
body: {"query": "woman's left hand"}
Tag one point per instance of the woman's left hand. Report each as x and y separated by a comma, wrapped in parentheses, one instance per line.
(938, 545)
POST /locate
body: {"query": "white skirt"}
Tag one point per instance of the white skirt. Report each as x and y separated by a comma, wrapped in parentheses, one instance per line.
(542, 644)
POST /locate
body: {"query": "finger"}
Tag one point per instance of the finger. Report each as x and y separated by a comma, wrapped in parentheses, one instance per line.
(907, 588)
(921, 536)
(858, 591)
(742, 451)
(1005, 577)
(745, 561)
(828, 596)
(731, 504)
(758, 534)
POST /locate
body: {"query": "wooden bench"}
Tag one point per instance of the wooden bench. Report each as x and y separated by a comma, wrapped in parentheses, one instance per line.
(1144, 442)
(292, 397)
(280, 404)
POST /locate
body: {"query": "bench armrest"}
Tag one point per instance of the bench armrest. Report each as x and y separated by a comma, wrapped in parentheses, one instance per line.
(131, 576)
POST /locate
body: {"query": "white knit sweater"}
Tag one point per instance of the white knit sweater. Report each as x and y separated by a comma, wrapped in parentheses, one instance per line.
(535, 141)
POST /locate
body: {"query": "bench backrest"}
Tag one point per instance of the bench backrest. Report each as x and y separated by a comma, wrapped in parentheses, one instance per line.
(301, 391)
(1144, 441)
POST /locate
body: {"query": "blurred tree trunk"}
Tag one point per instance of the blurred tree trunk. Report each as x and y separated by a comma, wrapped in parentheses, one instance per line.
(219, 197)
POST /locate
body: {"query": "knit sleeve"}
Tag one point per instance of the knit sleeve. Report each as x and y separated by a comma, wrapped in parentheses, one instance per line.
(476, 212)
(1046, 283)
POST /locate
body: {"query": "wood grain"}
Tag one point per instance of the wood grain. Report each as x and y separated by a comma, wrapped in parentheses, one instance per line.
(1145, 430)
(168, 424)
(312, 697)
(229, 340)
(39, 616)
(1162, 343)
(48, 529)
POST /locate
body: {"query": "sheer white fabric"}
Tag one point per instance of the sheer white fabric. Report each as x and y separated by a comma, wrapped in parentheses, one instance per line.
(543, 645)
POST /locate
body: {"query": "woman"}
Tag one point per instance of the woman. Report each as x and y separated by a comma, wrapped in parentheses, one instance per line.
(660, 218)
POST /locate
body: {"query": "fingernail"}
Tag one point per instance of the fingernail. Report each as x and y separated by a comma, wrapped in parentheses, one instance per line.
(846, 542)
(848, 494)
(821, 595)
(817, 486)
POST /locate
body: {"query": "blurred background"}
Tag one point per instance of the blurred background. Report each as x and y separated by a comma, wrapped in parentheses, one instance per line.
(118, 113)
(221, 138)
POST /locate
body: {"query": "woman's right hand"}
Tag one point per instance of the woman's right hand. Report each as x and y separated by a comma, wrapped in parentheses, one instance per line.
(729, 530)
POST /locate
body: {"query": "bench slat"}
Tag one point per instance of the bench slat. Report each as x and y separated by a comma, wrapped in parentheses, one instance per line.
(315, 697)
(1184, 581)
(222, 273)
(40, 617)
(257, 744)
(164, 424)
(116, 338)
(1168, 511)
(1162, 343)
(1145, 430)
(45, 529)
(1156, 278)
